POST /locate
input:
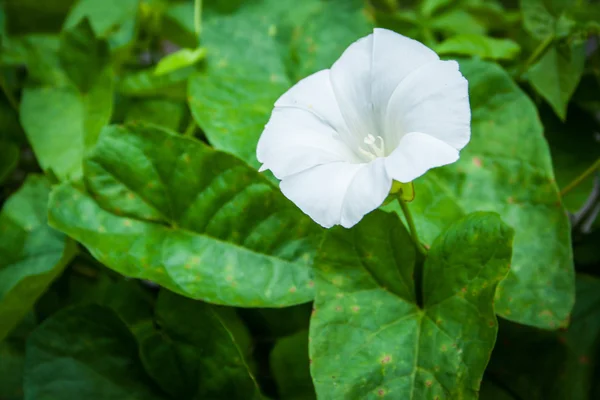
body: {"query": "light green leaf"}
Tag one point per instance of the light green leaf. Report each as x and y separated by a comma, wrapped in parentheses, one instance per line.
(62, 120)
(32, 254)
(62, 124)
(481, 46)
(556, 75)
(370, 339)
(232, 99)
(507, 168)
(180, 59)
(541, 365)
(201, 351)
(457, 22)
(199, 222)
(290, 367)
(85, 352)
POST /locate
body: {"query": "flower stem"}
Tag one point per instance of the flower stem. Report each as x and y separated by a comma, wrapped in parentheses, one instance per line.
(197, 17)
(595, 166)
(411, 226)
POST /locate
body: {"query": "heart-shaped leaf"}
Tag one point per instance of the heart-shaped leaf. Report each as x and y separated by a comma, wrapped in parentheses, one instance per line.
(197, 221)
(370, 339)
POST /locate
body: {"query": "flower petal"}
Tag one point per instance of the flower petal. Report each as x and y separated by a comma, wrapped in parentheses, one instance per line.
(416, 154)
(351, 80)
(434, 99)
(295, 140)
(394, 58)
(314, 94)
(339, 193)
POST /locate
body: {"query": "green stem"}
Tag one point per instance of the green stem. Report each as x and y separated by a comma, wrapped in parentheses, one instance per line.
(411, 226)
(191, 128)
(537, 53)
(595, 166)
(197, 17)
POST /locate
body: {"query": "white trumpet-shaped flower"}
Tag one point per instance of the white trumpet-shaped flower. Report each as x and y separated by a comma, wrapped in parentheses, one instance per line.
(388, 109)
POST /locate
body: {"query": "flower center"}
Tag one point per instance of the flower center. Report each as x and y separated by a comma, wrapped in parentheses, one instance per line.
(375, 147)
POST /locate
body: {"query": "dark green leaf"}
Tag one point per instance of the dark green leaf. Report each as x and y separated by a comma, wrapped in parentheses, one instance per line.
(290, 367)
(205, 348)
(369, 338)
(9, 157)
(507, 168)
(28, 16)
(111, 19)
(556, 75)
(574, 149)
(82, 57)
(12, 360)
(164, 112)
(32, 254)
(544, 365)
(199, 222)
(85, 352)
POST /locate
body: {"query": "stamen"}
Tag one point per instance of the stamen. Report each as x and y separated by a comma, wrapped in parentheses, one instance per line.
(375, 147)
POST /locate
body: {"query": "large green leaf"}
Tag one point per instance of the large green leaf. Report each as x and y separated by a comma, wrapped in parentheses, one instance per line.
(556, 75)
(200, 352)
(32, 254)
(544, 365)
(507, 168)
(62, 120)
(370, 339)
(233, 97)
(197, 221)
(85, 352)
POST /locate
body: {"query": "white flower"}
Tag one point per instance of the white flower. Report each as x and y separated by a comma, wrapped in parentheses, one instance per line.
(388, 109)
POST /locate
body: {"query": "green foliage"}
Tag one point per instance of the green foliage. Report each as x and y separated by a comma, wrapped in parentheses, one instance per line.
(143, 256)
(484, 47)
(273, 30)
(366, 310)
(31, 253)
(172, 210)
(514, 178)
